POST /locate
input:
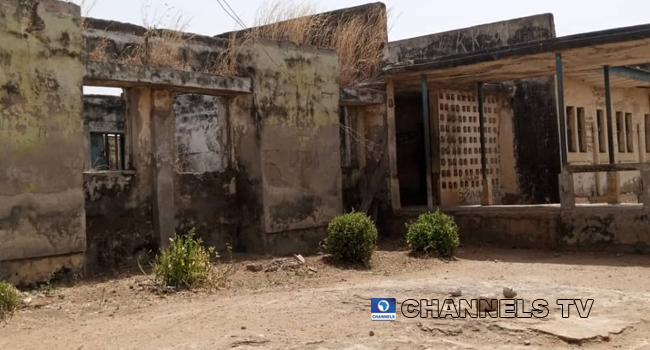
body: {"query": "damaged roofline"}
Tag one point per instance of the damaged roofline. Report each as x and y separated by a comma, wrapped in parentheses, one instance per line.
(557, 45)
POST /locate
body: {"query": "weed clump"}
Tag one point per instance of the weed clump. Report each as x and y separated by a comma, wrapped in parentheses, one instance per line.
(9, 299)
(184, 264)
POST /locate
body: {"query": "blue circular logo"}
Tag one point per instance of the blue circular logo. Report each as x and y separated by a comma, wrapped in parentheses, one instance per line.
(383, 305)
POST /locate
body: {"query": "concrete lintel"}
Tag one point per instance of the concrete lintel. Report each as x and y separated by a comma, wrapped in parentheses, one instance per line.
(351, 96)
(119, 75)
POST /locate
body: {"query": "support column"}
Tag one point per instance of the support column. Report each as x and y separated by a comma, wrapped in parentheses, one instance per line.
(613, 177)
(645, 186)
(567, 193)
(163, 130)
(486, 193)
(392, 144)
(427, 139)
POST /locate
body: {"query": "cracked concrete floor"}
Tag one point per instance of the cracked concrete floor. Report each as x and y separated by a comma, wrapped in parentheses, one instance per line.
(330, 310)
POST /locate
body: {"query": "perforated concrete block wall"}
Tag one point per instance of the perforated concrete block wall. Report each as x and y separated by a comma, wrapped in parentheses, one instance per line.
(460, 146)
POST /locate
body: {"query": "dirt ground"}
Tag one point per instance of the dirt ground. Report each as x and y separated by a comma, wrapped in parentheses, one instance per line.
(320, 305)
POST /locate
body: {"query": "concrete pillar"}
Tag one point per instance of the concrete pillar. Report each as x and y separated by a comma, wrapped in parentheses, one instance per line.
(645, 186)
(486, 195)
(567, 193)
(163, 130)
(392, 145)
(613, 187)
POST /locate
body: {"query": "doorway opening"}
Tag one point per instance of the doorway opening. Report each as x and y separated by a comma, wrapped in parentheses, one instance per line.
(411, 162)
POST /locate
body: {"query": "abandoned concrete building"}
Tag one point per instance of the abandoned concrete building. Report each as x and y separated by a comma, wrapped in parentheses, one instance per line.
(528, 139)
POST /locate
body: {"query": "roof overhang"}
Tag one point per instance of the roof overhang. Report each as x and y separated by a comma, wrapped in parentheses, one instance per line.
(581, 53)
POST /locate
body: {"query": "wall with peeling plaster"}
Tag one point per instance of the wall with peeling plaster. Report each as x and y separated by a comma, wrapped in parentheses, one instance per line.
(41, 132)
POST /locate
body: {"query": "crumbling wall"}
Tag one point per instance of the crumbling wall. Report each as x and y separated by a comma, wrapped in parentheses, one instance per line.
(477, 38)
(41, 137)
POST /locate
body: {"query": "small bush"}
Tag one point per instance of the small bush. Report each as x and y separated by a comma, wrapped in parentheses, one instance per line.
(434, 232)
(351, 237)
(185, 263)
(9, 299)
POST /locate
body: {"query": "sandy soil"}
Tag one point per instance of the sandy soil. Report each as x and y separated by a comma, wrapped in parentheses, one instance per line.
(324, 306)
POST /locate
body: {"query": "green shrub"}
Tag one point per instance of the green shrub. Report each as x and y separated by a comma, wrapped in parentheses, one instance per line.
(434, 232)
(351, 237)
(9, 299)
(185, 263)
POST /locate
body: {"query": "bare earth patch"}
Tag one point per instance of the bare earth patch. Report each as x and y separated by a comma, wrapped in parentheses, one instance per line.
(322, 306)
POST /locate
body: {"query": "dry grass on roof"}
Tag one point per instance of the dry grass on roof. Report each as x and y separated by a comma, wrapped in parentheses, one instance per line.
(358, 39)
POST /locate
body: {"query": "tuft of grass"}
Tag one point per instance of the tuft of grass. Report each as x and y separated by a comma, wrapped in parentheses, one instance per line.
(185, 263)
(9, 299)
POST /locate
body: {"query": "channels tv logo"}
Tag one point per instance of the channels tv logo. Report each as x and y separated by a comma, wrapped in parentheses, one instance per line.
(383, 309)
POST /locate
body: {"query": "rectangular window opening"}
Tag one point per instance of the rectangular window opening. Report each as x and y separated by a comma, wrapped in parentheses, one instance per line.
(602, 131)
(620, 133)
(570, 129)
(582, 133)
(629, 132)
(647, 133)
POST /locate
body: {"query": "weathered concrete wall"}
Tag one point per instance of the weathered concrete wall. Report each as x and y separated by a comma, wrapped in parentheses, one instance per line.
(593, 186)
(620, 228)
(478, 38)
(111, 41)
(536, 143)
(293, 133)
(119, 219)
(201, 133)
(41, 133)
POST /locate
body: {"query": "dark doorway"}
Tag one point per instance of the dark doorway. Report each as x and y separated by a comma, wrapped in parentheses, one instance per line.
(411, 163)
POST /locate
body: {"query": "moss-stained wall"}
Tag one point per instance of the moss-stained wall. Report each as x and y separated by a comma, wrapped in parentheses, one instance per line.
(287, 145)
(41, 131)
(298, 94)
